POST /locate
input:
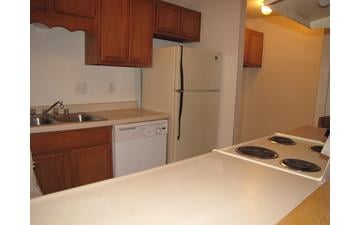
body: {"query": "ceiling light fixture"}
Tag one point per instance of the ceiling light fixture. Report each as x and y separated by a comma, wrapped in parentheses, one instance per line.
(266, 10)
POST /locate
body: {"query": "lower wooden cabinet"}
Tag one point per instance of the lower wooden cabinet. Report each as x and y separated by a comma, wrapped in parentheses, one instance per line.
(71, 158)
(50, 172)
(90, 165)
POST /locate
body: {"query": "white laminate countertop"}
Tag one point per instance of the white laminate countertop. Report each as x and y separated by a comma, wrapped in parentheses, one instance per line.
(211, 189)
(112, 117)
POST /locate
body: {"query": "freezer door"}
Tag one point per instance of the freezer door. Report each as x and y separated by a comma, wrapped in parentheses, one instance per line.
(201, 70)
(199, 123)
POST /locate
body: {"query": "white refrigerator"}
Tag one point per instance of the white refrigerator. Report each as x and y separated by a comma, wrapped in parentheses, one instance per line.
(185, 82)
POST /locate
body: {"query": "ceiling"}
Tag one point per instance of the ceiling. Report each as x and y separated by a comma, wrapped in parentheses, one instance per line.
(311, 13)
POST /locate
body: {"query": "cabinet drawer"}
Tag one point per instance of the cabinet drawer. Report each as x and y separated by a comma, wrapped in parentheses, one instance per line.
(65, 140)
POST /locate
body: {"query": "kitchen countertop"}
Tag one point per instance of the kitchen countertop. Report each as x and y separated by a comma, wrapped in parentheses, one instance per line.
(209, 189)
(113, 117)
(315, 209)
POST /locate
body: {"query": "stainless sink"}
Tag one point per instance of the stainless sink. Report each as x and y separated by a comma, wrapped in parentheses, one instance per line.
(40, 120)
(78, 118)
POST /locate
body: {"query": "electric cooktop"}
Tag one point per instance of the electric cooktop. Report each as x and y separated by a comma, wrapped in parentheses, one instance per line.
(291, 154)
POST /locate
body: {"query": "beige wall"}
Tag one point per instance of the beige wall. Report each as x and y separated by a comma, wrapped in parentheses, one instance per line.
(282, 94)
(323, 96)
(220, 30)
(58, 65)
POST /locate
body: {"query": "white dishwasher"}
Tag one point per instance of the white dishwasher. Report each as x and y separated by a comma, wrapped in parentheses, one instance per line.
(139, 146)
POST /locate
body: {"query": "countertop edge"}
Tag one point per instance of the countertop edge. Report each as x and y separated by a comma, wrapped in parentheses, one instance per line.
(134, 118)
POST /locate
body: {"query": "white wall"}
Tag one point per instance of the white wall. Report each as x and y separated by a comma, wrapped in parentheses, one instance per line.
(58, 64)
(282, 94)
(220, 28)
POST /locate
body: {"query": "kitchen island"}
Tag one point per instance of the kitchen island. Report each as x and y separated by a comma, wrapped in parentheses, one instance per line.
(208, 189)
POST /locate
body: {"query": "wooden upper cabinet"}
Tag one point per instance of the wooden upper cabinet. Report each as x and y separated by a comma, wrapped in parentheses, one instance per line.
(114, 32)
(176, 23)
(39, 4)
(253, 48)
(167, 18)
(141, 32)
(124, 37)
(81, 8)
(190, 24)
(70, 14)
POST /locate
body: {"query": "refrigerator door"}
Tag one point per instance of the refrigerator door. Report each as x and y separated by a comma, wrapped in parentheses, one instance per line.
(201, 70)
(199, 123)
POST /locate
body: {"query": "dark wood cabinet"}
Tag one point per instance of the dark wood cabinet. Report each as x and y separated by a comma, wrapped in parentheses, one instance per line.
(253, 48)
(124, 37)
(167, 19)
(50, 171)
(70, 14)
(39, 4)
(190, 24)
(68, 159)
(80, 8)
(91, 164)
(141, 32)
(176, 23)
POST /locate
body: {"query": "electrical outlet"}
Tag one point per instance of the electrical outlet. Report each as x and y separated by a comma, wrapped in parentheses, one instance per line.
(81, 88)
(111, 87)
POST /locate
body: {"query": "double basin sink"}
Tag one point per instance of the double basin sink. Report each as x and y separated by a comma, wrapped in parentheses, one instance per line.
(40, 120)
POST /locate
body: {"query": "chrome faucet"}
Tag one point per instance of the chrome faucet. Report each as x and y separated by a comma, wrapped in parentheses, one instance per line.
(61, 105)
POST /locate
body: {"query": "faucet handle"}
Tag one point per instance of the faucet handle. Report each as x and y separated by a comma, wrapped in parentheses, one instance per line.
(61, 105)
(66, 112)
(56, 111)
(44, 112)
(32, 112)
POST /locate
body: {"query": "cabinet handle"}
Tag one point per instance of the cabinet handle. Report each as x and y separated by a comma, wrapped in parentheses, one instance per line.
(34, 165)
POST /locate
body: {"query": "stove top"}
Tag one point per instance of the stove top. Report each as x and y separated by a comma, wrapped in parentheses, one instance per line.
(297, 158)
(258, 152)
(282, 140)
(300, 165)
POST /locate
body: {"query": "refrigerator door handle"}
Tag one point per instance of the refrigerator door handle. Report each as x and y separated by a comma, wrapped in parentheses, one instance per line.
(181, 92)
(197, 90)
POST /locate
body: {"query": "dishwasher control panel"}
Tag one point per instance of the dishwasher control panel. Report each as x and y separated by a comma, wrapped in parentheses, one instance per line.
(140, 130)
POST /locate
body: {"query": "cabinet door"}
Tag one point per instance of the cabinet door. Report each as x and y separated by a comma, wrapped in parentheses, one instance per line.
(39, 4)
(50, 172)
(253, 48)
(91, 164)
(167, 18)
(190, 24)
(141, 32)
(81, 8)
(114, 47)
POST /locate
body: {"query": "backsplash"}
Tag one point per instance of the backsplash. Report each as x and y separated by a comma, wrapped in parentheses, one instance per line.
(58, 72)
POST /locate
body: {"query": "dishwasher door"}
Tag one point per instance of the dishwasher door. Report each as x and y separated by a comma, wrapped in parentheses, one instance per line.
(139, 146)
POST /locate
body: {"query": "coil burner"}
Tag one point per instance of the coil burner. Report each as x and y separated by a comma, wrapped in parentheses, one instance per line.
(282, 140)
(258, 152)
(300, 165)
